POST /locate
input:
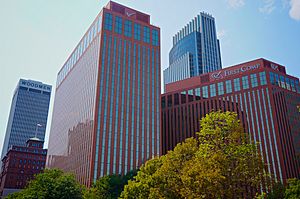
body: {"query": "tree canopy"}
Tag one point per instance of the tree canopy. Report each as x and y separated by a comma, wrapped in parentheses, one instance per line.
(292, 191)
(220, 163)
(109, 187)
(52, 184)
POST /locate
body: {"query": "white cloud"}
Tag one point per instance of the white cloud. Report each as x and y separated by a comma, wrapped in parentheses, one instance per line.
(236, 3)
(269, 6)
(295, 9)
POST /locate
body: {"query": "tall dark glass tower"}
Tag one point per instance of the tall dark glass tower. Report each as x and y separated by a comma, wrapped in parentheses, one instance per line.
(195, 51)
(28, 113)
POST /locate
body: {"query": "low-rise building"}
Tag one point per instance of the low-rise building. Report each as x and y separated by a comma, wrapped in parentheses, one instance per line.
(20, 164)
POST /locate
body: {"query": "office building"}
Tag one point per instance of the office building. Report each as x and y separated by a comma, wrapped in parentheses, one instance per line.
(263, 95)
(106, 116)
(20, 164)
(195, 51)
(28, 113)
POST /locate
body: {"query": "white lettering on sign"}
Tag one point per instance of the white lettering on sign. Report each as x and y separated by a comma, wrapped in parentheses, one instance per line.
(222, 74)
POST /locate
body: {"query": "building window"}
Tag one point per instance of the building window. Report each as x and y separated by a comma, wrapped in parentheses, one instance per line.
(154, 37)
(297, 86)
(108, 21)
(183, 97)
(212, 88)
(118, 25)
(282, 83)
(191, 95)
(137, 31)
(127, 28)
(276, 80)
(254, 82)
(237, 85)
(146, 34)
(205, 91)
(221, 88)
(176, 99)
(263, 79)
(245, 82)
(169, 100)
(287, 82)
(197, 93)
(163, 102)
(228, 86)
(272, 78)
(293, 85)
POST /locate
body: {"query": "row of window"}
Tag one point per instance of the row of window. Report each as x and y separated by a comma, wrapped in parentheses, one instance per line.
(39, 151)
(138, 58)
(118, 27)
(34, 90)
(26, 177)
(37, 145)
(85, 42)
(180, 122)
(192, 26)
(29, 167)
(211, 51)
(220, 88)
(32, 98)
(284, 82)
(26, 155)
(30, 162)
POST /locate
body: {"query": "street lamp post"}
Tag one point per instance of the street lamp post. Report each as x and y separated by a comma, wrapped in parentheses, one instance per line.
(36, 129)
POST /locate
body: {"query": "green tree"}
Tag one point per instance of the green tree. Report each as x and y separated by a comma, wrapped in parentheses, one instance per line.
(277, 192)
(220, 163)
(52, 184)
(293, 189)
(109, 187)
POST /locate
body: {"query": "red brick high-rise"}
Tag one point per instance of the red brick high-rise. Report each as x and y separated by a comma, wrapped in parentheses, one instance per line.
(106, 116)
(265, 98)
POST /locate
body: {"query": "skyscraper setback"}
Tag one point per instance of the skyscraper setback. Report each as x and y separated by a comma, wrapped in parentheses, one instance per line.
(195, 51)
(106, 116)
(28, 114)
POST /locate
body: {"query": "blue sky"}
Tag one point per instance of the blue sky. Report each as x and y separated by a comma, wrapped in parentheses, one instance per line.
(37, 36)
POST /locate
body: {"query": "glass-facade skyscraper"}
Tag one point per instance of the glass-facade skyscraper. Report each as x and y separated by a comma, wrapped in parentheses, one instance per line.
(195, 51)
(106, 116)
(28, 113)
